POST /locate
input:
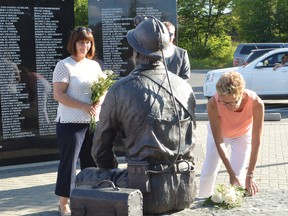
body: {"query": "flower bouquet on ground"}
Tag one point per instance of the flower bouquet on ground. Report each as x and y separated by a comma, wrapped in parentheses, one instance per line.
(226, 196)
(98, 89)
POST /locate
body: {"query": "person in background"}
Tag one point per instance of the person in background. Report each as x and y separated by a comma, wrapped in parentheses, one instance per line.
(283, 63)
(178, 63)
(236, 118)
(72, 80)
(141, 107)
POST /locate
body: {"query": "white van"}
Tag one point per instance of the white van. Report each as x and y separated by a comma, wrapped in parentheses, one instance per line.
(244, 49)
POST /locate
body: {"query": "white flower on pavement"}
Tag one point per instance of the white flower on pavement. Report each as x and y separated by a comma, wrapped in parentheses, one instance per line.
(226, 196)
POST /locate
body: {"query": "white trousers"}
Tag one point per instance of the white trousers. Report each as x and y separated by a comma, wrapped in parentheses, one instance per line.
(239, 158)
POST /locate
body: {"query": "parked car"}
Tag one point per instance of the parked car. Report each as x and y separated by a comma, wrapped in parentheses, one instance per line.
(259, 76)
(256, 54)
(244, 49)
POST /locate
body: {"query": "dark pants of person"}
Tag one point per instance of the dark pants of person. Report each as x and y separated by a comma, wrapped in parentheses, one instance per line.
(74, 140)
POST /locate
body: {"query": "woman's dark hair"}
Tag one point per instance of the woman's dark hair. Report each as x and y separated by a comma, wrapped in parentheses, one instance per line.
(81, 34)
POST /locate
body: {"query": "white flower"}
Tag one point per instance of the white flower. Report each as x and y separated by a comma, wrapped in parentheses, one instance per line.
(230, 198)
(217, 197)
(225, 189)
(226, 196)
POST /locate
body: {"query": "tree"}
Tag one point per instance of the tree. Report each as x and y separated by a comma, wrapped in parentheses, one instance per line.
(260, 21)
(81, 12)
(202, 25)
(253, 20)
(281, 20)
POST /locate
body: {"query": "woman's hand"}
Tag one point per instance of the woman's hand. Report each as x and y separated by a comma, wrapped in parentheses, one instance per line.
(98, 104)
(90, 109)
(251, 186)
(234, 180)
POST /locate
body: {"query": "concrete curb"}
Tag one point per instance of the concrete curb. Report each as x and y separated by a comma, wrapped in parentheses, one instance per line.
(272, 117)
(39, 165)
(267, 117)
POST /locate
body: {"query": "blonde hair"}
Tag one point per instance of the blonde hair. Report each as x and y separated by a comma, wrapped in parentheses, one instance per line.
(231, 83)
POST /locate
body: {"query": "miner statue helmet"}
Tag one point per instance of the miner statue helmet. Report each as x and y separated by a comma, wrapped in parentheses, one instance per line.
(150, 38)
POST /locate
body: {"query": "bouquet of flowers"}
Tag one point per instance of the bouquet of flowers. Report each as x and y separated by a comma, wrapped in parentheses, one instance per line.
(98, 89)
(226, 196)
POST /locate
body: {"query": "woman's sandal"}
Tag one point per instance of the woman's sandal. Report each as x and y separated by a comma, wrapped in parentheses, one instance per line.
(62, 213)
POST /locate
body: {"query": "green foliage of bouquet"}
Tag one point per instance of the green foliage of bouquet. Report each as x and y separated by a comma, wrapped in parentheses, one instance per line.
(98, 89)
(226, 196)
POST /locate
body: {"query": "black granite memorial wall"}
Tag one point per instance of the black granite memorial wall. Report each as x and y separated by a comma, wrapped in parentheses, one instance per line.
(110, 21)
(33, 37)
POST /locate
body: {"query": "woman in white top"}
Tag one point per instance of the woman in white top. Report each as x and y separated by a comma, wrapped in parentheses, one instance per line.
(72, 80)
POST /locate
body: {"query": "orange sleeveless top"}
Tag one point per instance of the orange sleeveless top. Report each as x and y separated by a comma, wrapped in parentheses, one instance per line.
(235, 124)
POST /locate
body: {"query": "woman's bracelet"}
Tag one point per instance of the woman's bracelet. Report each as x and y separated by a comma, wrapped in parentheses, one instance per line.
(249, 175)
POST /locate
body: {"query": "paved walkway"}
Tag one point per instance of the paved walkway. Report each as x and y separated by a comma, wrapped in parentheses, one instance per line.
(29, 189)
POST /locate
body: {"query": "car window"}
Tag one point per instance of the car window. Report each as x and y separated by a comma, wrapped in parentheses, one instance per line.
(254, 55)
(268, 46)
(272, 60)
(246, 50)
(243, 50)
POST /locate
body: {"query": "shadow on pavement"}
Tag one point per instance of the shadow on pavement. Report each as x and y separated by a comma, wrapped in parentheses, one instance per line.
(45, 213)
(26, 171)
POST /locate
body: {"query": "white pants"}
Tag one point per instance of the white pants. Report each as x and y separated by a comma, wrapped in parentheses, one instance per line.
(239, 158)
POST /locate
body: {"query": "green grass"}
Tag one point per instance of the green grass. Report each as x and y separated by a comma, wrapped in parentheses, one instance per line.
(214, 62)
(209, 64)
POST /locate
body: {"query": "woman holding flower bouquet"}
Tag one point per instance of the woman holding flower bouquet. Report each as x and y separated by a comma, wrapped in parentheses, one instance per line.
(72, 81)
(236, 118)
